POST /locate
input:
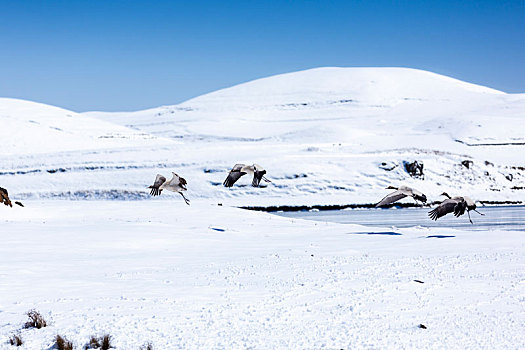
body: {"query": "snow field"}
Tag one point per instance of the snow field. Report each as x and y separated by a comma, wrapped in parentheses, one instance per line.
(216, 277)
(207, 276)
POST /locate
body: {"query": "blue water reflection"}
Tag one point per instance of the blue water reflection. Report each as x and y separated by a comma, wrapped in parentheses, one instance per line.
(496, 218)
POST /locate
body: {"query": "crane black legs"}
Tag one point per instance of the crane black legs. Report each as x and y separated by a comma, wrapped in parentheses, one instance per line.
(185, 199)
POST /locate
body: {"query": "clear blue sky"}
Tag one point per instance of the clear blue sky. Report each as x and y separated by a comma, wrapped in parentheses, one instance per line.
(130, 55)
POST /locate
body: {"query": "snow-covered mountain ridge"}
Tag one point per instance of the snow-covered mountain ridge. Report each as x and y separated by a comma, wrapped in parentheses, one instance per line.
(326, 136)
(31, 128)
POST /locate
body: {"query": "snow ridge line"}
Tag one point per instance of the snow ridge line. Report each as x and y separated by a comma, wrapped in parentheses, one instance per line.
(92, 168)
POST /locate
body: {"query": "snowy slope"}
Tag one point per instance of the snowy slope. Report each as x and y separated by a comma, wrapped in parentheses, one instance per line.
(330, 98)
(31, 128)
(325, 136)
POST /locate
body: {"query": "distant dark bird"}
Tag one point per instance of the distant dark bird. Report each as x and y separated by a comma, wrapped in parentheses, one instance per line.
(241, 169)
(176, 184)
(456, 205)
(402, 192)
(4, 198)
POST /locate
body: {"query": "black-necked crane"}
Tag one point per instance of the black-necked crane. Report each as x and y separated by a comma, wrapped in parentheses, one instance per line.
(456, 205)
(4, 198)
(241, 169)
(402, 192)
(176, 184)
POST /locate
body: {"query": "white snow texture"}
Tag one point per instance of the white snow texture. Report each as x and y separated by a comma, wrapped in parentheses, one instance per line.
(209, 276)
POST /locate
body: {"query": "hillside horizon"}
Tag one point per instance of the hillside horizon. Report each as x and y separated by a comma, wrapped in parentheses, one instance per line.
(325, 136)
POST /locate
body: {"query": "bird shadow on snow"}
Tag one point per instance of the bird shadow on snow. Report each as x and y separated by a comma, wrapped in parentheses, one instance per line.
(389, 233)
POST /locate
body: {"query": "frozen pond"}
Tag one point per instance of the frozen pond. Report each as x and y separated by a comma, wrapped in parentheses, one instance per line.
(495, 218)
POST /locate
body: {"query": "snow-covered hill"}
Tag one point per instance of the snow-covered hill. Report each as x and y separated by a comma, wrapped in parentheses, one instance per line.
(328, 102)
(326, 136)
(30, 128)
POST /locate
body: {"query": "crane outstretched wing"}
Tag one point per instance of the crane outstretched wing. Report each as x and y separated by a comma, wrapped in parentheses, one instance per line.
(178, 180)
(419, 196)
(391, 198)
(257, 177)
(159, 180)
(183, 182)
(234, 175)
(447, 206)
(460, 208)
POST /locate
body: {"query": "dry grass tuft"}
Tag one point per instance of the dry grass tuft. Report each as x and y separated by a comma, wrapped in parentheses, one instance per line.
(147, 346)
(36, 320)
(93, 343)
(16, 340)
(106, 342)
(103, 343)
(63, 344)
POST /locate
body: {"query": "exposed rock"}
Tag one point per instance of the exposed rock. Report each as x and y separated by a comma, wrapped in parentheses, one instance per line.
(467, 164)
(414, 169)
(388, 166)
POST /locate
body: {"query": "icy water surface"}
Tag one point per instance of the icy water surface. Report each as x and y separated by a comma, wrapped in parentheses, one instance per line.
(495, 218)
